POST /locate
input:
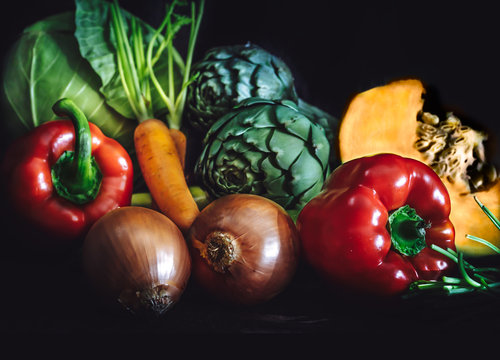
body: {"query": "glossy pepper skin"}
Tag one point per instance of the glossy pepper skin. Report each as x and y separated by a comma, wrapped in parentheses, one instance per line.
(345, 232)
(27, 170)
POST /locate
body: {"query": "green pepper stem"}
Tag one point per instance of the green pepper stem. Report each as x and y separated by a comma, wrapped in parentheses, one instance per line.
(76, 175)
(407, 231)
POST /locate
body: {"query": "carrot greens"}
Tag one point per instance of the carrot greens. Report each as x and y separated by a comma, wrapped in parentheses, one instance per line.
(136, 61)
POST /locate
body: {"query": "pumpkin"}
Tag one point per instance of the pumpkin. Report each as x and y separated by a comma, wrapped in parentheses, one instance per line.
(390, 118)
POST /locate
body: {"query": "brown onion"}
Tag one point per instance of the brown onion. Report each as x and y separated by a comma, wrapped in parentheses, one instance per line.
(244, 249)
(137, 257)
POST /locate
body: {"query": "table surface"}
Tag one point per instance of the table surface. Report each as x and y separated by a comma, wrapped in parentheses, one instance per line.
(46, 292)
(334, 51)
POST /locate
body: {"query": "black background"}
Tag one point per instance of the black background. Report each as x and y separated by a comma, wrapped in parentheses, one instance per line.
(334, 49)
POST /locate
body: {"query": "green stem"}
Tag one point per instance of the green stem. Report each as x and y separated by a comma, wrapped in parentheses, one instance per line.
(150, 60)
(487, 283)
(136, 67)
(448, 252)
(127, 66)
(464, 273)
(140, 60)
(174, 102)
(487, 269)
(76, 175)
(200, 196)
(488, 213)
(142, 200)
(484, 242)
(407, 231)
(466, 283)
(170, 58)
(452, 280)
(195, 27)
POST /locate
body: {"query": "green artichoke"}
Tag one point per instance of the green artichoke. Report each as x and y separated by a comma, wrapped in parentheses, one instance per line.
(329, 123)
(229, 74)
(267, 148)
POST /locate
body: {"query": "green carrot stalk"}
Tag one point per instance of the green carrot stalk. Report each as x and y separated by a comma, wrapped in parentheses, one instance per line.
(136, 62)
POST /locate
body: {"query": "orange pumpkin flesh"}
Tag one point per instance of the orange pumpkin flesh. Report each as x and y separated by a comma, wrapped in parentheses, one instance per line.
(388, 119)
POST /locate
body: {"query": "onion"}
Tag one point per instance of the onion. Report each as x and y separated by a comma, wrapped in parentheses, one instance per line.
(138, 257)
(244, 249)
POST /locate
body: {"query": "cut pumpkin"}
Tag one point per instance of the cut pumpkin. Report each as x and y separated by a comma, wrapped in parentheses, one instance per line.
(390, 119)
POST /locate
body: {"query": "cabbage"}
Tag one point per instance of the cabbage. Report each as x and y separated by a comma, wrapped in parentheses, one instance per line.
(45, 65)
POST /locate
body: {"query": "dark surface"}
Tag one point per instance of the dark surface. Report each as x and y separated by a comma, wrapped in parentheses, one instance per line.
(334, 50)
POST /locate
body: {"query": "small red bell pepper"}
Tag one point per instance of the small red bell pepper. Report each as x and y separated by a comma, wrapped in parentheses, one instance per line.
(371, 228)
(63, 183)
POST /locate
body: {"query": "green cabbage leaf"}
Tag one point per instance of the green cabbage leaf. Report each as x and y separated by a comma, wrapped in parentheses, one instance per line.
(45, 65)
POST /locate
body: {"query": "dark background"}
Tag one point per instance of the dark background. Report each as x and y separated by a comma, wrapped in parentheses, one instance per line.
(335, 50)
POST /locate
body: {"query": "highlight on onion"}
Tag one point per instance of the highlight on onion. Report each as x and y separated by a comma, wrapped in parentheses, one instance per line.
(137, 257)
(244, 249)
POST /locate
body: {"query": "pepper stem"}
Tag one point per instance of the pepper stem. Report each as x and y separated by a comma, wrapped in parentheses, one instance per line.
(76, 175)
(407, 231)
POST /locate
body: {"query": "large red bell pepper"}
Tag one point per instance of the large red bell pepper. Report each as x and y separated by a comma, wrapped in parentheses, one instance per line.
(63, 183)
(371, 228)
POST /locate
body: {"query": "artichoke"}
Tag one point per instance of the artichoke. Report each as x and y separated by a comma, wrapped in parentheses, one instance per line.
(329, 123)
(268, 148)
(229, 74)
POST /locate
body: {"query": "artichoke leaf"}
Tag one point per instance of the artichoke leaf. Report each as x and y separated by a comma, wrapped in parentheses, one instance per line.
(275, 187)
(305, 172)
(252, 101)
(263, 117)
(258, 138)
(286, 148)
(321, 150)
(235, 145)
(294, 122)
(272, 172)
(330, 125)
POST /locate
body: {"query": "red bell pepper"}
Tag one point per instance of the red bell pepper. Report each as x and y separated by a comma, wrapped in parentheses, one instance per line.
(61, 183)
(371, 228)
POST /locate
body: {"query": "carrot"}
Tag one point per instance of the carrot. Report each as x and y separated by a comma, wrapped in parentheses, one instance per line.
(160, 161)
(180, 144)
(163, 173)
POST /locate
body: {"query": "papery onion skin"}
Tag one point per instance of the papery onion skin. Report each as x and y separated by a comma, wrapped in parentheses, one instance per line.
(137, 257)
(261, 243)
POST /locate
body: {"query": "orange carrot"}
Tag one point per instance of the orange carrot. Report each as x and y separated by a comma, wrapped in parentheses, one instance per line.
(162, 170)
(180, 144)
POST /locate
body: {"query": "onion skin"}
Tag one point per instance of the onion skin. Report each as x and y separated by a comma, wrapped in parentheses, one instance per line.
(260, 249)
(137, 257)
